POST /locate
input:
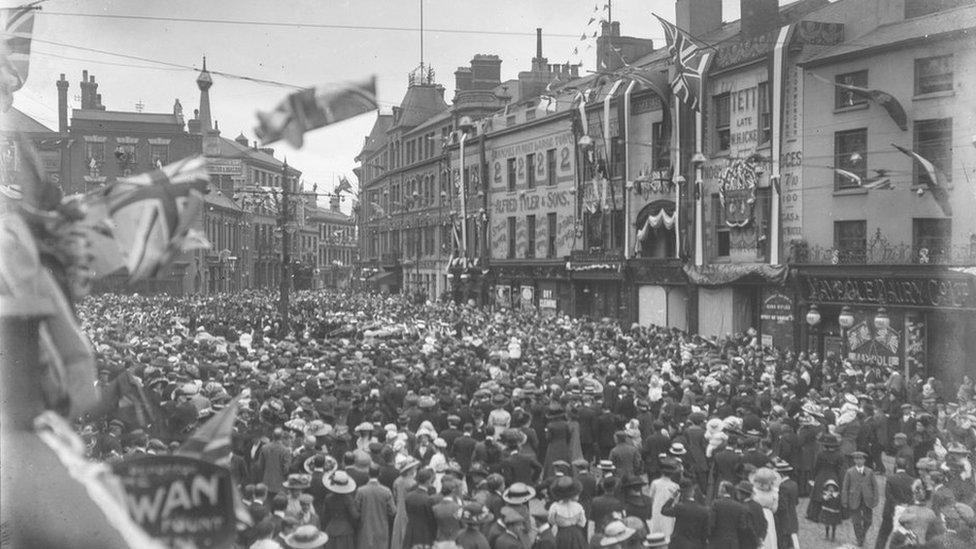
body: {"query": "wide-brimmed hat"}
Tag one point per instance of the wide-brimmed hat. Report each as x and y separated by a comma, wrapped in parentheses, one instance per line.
(297, 482)
(475, 513)
(678, 449)
(498, 400)
(782, 465)
(518, 493)
(744, 487)
(408, 463)
(306, 536)
(957, 448)
(615, 532)
(329, 463)
(631, 480)
(339, 482)
(566, 487)
(364, 426)
(656, 539)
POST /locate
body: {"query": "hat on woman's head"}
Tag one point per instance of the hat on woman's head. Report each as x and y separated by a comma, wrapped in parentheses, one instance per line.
(339, 482)
(566, 487)
(518, 493)
(615, 532)
(306, 536)
(474, 513)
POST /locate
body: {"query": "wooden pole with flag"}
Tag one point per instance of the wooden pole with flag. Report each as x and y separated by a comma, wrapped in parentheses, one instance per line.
(284, 284)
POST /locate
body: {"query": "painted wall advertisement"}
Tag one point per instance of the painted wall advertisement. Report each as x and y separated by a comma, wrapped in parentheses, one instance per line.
(777, 320)
(183, 501)
(538, 201)
(791, 161)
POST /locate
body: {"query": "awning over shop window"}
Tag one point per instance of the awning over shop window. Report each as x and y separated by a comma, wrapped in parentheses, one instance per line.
(716, 275)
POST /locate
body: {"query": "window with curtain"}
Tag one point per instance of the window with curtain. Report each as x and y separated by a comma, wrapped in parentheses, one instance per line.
(851, 240)
(933, 141)
(851, 155)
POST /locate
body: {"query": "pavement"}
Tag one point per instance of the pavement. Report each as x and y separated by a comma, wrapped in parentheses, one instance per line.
(812, 533)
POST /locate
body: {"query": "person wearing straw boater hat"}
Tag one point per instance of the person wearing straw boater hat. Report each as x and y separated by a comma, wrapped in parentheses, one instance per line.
(294, 486)
(338, 507)
(615, 534)
(306, 537)
(516, 498)
(787, 523)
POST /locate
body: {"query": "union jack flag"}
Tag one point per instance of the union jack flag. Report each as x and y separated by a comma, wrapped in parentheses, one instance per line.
(154, 215)
(17, 25)
(690, 60)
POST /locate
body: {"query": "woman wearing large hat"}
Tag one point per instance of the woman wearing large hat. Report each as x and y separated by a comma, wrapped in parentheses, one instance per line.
(566, 514)
(306, 537)
(474, 516)
(338, 510)
(830, 464)
(558, 435)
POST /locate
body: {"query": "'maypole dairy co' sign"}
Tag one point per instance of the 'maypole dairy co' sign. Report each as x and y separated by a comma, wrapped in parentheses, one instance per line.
(182, 501)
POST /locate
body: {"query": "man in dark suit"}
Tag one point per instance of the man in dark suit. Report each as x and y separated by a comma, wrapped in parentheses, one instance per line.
(587, 415)
(898, 491)
(787, 523)
(463, 447)
(690, 518)
(421, 527)
(754, 536)
(654, 445)
(859, 494)
(730, 521)
(519, 466)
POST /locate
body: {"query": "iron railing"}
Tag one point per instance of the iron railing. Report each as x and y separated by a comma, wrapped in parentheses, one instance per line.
(878, 251)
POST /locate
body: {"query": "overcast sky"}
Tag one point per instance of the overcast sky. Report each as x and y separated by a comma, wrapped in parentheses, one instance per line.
(298, 55)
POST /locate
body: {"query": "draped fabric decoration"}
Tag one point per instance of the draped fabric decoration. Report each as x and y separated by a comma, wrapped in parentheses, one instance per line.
(655, 222)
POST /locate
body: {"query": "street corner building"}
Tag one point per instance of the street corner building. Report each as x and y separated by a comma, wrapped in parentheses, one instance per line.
(804, 171)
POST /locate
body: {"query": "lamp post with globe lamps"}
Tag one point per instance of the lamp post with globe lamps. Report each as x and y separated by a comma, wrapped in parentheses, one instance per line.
(846, 320)
(813, 319)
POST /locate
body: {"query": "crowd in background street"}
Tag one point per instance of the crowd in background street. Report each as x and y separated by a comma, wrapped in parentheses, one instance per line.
(374, 421)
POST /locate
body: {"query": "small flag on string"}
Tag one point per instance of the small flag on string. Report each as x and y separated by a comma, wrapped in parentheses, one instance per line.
(154, 215)
(17, 25)
(583, 37)
(934, 180)
(344, 185)
(313, 108)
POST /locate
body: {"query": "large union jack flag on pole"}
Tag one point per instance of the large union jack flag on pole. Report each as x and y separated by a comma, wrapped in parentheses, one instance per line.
(17, 26)
(690, 60)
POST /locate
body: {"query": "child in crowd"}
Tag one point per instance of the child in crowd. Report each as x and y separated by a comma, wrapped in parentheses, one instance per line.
(830, 509)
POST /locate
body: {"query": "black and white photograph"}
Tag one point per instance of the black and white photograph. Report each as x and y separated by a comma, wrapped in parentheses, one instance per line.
(487, 274)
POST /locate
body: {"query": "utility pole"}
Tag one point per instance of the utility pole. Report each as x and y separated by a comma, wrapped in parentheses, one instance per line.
(283, 217)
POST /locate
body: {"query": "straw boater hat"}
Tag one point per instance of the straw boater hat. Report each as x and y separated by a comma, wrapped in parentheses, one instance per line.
(340, 482)
(364, 427)
(518, 493)
(297, 482)
(407, 464)
(306, 536)
(656, 539)
(615, 532)
(678, 449)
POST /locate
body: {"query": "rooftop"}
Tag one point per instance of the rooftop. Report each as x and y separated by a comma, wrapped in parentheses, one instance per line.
(15, 120)
(123, 116)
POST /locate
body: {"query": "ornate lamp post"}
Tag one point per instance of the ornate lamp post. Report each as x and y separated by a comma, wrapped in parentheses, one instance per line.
(813, 319)
(846, 320)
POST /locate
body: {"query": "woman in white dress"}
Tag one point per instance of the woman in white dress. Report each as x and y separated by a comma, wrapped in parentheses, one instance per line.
(765, 486)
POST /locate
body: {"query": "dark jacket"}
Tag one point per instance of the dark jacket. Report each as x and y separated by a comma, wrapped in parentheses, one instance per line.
(730, 522)
(519, 467)
(785, 515)
(421, 527)
(691, 523)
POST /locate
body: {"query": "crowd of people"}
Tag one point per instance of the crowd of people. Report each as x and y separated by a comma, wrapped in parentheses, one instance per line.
(373, 421)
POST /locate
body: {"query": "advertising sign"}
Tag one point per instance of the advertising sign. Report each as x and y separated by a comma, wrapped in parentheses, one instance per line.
(528, 297)
(868, 344)
(777, 320)
(547, 299)
(503, 295)
(182, 501)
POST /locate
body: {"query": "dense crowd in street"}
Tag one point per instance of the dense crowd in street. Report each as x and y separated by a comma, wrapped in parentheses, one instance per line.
(374, 421)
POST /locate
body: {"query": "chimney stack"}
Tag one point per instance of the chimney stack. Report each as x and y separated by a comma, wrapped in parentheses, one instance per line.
(538, 43)
(85, 91)
(62, 104)
(758, 17)
(699, 17)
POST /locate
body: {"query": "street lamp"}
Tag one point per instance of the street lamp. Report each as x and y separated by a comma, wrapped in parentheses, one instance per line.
(846, 320)
(813, 316)
(882, 322)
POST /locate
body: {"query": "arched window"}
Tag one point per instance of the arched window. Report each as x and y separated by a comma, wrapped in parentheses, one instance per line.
(655, 230)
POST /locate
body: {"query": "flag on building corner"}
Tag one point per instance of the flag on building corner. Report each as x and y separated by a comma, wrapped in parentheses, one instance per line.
(154, 216)
(885, 99)
(935, 182)
(691, 61)
(344, 185)
(313, 108)
(17, 25)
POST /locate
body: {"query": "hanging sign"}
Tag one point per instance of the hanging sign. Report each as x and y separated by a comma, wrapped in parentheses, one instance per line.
(777, 320)
(737, 190)
(868, 344)
(183, 501)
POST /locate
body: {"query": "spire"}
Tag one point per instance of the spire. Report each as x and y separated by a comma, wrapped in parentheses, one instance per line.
(204, 81)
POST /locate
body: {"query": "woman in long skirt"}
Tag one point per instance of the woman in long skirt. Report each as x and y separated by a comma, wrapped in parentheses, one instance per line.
(403, 484)
(830, 465)
(566, 514)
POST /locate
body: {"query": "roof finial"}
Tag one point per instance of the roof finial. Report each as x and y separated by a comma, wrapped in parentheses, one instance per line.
(204, 62)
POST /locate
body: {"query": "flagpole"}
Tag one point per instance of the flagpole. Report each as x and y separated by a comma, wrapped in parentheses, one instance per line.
(626, 125)
(699, 226)
(776, 85)
(284, 284)
(676, 174)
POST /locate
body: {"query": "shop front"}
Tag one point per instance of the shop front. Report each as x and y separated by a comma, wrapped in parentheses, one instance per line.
(731, 295)
(662, 292)
(544, 288)
(916, 319)
(598, 285)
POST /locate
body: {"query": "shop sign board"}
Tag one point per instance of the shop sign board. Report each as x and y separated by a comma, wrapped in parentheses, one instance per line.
(777, 320)
(940, 292)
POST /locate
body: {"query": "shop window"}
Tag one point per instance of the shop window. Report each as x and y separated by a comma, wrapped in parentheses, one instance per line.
(159, 153)
(530, 170)
(765, 113)
(723, 121)
(661, 146)
(851, 241)
(530, 236)
(933, 74)
(616, 158)
(511, 174)
(95, 151)
(851, 155)
(511, 238)
(551, 167)
(551, 234)
(723, 235)
(845, 98)
(933, 141)
(931, 239)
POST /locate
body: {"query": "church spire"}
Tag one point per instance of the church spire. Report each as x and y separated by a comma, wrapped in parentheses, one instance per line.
(204, 81)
